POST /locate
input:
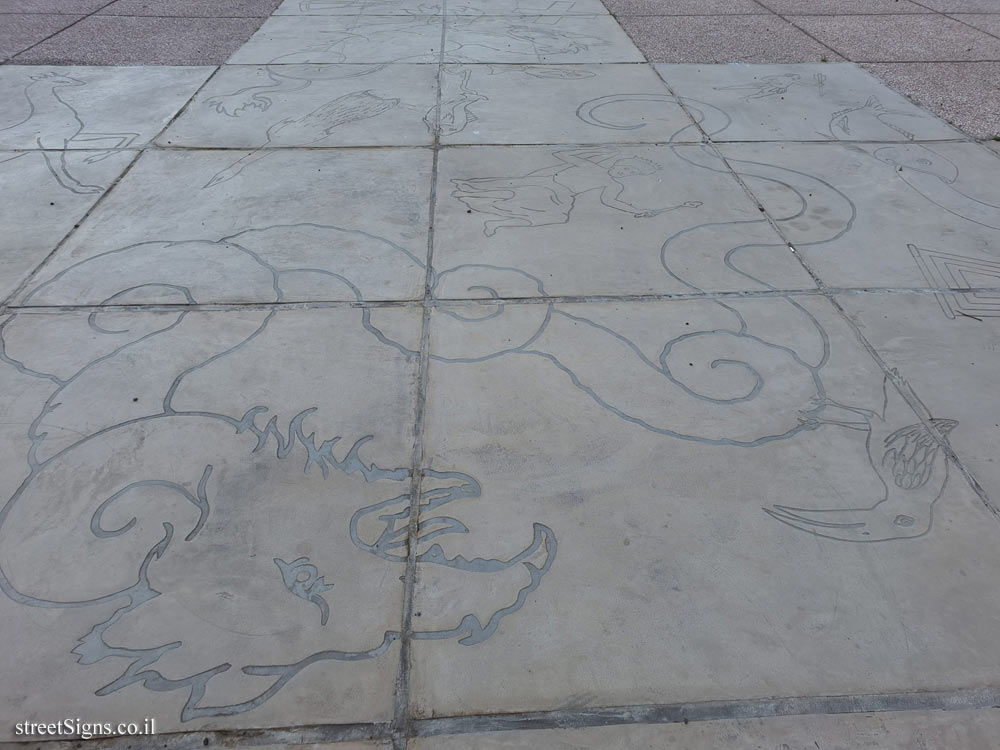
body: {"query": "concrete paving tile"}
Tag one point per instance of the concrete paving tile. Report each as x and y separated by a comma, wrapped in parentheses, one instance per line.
(967, 94)
(20, 31)
(537, 39)
(125, 40)
(683, 7)
(614, 472)
(39, 209)
(457, 8)
(192, 8)
(717, 39)
(567, 217)
(187, 518)
(843, 7)
(90, 107)
(803, 102)
(72, 7)
(343, 39)
(988, 22)
(949, 358)
(868, 202)
(899, 38)
(902, 730)
(357, 218)
(476, 105)
(310, 105)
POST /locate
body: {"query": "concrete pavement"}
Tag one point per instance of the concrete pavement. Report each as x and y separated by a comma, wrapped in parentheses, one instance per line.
(448, 376)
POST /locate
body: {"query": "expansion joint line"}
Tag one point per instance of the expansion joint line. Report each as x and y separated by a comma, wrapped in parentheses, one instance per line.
(402, 721)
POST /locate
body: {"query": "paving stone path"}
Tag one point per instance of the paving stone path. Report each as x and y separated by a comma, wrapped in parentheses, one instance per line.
(447, 376)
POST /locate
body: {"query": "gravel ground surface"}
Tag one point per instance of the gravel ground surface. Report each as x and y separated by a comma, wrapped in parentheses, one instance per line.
(943, 54)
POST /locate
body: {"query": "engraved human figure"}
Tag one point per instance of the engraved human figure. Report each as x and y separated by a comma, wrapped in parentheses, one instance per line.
(547, 195)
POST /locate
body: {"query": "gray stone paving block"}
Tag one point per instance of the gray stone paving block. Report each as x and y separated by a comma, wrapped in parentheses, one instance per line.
(604, 220)
(901, 38)
(962, 6)
(642, 444)
(870, 202)
(368, 39)
(804, 102)
(84, 107)
(310, 105)
(131, 40)
(844, 7)
(224, 225)
(51, 6)
(967, 94)
(881, 731)
(538, 39)
(721, 38)
(683, 7)
(187, 518)
(44, 195)
(948, 347)
(988, 22)
(191, 8)
(426, 7)
(476, 105)
(18, 32)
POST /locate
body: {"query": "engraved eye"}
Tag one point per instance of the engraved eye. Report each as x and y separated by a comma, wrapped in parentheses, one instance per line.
(903, 520)
(923, 161)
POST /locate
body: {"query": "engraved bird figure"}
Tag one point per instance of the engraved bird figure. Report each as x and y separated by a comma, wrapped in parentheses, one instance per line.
(909, 462)
(311, 128)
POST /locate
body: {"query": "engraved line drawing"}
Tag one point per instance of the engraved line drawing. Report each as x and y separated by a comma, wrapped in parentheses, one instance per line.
(946, 270)
(909, 452)
(547, 195)
(302, 578)
(134, 506)
(776, 85)
(456, 112)
(310, 128)
(284, 77)
(55, 124)
(909, 463)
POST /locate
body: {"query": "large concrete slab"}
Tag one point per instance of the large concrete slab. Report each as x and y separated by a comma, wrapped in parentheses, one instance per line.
(537, 39)
(477, 105)
(44, 194)
(343, 39)
(805, 102)
(565, 217)
(425, 8)
(883, 731)
(310, 105)
(206, 561)
(871, 202)
(675, 483)
(91, 107)
(246, 221)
